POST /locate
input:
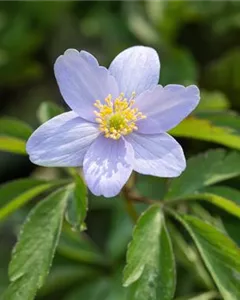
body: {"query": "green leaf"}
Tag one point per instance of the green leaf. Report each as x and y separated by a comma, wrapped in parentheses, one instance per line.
(64, 276)
(78, 247)
(224, 202)
(139, 25)
(225, 119)
(150, 268)
(204, 296)
(13, 145)
(13, 135)
(15, 194)
(220, 254)
(48, 110)
(78, 204)
(92, 291)
(14, 128)
(120, 231)
(212, 101)
(104, 288)
(225, 192)
(225, 72)
(186, 71)
(203, 170)
(205, 130)
(151, 187)
(34, 251)
(187, 257)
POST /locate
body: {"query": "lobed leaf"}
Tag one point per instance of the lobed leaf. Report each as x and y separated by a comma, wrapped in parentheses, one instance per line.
(220, 254)
(33, 253)
(150, 269)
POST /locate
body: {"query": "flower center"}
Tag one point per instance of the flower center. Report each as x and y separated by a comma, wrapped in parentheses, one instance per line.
(118, 117)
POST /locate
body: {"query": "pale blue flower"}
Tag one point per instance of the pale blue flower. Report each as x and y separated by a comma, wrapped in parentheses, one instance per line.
(118, 121)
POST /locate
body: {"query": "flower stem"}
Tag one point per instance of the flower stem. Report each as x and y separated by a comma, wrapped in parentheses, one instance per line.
(131, 210)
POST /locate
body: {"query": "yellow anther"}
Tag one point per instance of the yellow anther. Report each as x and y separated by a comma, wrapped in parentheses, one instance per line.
(117, 118)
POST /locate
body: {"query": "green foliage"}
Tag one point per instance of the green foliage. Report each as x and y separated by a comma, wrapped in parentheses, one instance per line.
(15, 194)
(198, 43)
(150, 269)
(223, 135)
(78, 204)
(48, 110)
(212, 102)
(13, 134)
(79, 248)
(204, 170)
(15, 128)
(219, 253)
(33, 254)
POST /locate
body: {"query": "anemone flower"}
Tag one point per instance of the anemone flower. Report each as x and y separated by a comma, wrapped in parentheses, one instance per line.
(118, 120)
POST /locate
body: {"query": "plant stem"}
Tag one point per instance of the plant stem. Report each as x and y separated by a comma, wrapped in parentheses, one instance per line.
(131, 210)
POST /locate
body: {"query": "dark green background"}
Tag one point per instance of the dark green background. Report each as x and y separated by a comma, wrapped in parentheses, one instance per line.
(197, 41)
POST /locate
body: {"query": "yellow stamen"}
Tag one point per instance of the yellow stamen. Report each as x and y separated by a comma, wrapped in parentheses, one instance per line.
(118, 117)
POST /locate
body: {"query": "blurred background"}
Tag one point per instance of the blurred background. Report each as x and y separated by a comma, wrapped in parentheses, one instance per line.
(197, 41)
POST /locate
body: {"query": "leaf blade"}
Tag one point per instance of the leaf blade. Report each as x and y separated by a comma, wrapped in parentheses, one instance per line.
(150, 269)
(203, 170)
(220, 254)
(15, 194)
(78, 204)
(33, 253)
(189, 128)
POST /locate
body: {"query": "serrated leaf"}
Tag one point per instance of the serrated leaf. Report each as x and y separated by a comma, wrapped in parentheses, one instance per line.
(33, 253)
(203, 170)
(196, 128)
(187, 256)
(48, 110)
(220, 254)
(15, 194)
(150, 269)
(78, 204)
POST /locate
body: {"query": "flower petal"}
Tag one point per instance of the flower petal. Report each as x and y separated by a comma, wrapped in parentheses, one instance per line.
(165, 107)
(157, 155)
(62, 141)
(107, 166)
(136, 69)
(82, 81)
(88, 57)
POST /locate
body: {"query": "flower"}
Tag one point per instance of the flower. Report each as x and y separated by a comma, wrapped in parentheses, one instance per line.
(118, 120)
